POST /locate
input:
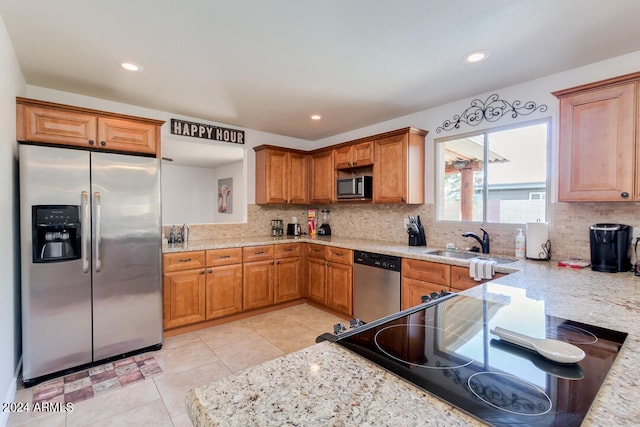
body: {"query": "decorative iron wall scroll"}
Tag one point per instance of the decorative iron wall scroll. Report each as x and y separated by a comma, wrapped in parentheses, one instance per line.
(491, 110)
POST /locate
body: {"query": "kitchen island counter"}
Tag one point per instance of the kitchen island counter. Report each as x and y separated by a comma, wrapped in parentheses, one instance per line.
(327, 385)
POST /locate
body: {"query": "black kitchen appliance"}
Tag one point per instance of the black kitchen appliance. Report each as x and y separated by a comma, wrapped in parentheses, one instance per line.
(445, 348)
(610, 247)
(325, 228)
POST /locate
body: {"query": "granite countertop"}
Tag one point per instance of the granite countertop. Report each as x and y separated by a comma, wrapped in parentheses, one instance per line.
(307, 388)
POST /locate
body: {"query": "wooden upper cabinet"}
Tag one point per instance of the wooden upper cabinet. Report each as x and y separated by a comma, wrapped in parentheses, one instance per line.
(354, 155)
(322, 177)
(49, 123)
(600, 141)
(125, 135)
(282, 176)
(298, 178)
(398, 173)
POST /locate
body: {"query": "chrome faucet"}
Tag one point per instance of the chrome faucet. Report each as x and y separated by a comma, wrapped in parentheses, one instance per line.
(484, 242)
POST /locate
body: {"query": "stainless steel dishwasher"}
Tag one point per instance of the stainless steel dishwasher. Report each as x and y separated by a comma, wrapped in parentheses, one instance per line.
(376, 285)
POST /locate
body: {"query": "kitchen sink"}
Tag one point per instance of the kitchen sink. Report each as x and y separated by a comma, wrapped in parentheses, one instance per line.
(470, 255)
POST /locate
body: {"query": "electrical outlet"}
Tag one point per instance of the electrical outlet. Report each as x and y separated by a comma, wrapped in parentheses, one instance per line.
(406, 223)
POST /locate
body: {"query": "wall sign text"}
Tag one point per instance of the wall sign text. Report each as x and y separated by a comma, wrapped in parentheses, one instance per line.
(205, 131)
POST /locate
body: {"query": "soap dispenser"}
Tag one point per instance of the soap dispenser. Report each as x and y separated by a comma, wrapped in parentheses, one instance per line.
(520, 244)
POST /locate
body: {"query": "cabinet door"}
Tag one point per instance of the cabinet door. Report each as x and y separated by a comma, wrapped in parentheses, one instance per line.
(316, 280)
(362, 154)
(340, 287)
(596, 152)
(184, 297)
(287, 281)
(390, 170)
(257, 286)
(413, 290)
(425, 271)
(322, 177)
(126, 135)
(298, 179)
(223, 290)
(59, 127)
(342, 157)
(271, 185)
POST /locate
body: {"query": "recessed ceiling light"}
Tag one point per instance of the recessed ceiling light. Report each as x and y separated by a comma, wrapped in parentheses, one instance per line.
(476, 56)
(316, 117)
(131, 66)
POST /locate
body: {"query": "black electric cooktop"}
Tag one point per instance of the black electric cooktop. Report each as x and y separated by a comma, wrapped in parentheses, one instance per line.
(445, 347)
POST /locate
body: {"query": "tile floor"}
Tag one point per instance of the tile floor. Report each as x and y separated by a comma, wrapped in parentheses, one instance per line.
(189, 360)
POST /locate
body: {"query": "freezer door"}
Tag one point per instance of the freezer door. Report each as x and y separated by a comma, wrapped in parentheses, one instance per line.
(56, 296)
(127, 286)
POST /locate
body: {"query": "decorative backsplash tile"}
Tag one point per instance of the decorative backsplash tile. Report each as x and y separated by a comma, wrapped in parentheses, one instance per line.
(568, 225)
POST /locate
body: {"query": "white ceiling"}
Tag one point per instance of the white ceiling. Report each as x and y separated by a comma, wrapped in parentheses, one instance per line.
(268, 65)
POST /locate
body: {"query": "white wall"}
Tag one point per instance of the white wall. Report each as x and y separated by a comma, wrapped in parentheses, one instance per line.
(187, 186)
(238, 209)
(12, 84)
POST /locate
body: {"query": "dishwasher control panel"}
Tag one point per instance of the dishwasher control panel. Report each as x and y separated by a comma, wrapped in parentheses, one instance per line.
(387, 262)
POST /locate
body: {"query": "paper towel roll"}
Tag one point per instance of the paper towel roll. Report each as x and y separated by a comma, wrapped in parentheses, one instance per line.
(537, 236)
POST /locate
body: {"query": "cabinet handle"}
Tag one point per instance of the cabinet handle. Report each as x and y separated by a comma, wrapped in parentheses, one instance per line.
(624, 194)
(184, 260)
(287, 250)
(91, 142)
(103, 143)
(210, 270)
(224, 256)
(337, 254)
(202, 272)
(259, 253)
(272, 262)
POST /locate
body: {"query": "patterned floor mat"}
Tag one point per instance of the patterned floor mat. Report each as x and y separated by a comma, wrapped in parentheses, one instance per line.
(84, 385)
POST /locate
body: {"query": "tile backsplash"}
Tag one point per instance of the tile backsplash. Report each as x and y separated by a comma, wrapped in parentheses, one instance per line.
(568, 225)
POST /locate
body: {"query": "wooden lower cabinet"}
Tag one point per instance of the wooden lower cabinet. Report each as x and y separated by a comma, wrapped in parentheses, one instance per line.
(257, 289)
(330, 277)
(340, 287)
(223, 291)
(413, 290)
(317, 280)
(288, 274)
(184, 297)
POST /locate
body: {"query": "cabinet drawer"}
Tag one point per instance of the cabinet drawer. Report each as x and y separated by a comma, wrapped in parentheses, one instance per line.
(426, 271)
(460, 279)
(316, 251)
(183, 260)
(257, 253)
(216, 257)
(287, 250)
(340, 255)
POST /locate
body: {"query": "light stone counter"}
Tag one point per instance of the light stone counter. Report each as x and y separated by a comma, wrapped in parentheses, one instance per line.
(327, 385)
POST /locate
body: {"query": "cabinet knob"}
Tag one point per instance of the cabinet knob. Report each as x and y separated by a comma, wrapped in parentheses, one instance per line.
(103, 143)
(211, 270)
(201, 271)
(624, 194)
(91, 142)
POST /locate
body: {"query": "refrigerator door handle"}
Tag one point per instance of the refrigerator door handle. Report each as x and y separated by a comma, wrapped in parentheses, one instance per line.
(85, 230)
(98, 235)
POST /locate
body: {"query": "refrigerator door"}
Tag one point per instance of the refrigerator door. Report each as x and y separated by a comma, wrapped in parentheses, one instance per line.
(127, 286)
(56, 296)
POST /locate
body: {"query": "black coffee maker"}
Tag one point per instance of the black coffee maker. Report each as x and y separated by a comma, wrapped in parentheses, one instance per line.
(610, 247)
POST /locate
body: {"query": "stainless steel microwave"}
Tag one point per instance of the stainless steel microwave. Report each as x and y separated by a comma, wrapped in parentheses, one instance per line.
(358, 187)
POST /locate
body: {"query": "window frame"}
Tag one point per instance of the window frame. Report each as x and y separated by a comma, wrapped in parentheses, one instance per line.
(484, 132)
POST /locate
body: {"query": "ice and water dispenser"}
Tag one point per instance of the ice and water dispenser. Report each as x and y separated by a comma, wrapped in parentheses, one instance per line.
(56, 233)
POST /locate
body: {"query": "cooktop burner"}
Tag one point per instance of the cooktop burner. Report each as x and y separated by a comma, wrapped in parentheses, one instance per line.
(445, 348)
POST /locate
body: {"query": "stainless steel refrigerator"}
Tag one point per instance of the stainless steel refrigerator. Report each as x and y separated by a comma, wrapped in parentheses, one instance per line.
(91, 257)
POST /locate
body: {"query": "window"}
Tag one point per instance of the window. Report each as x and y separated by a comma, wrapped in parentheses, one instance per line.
(494, 176)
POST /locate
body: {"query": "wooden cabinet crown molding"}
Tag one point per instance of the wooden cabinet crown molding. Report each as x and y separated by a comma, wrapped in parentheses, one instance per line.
(597, 85)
